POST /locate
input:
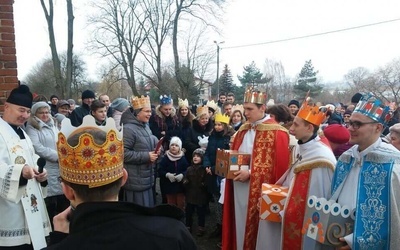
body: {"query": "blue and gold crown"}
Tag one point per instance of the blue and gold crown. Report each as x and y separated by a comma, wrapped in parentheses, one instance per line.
(164, 100)
(89, 163)
(372, 107)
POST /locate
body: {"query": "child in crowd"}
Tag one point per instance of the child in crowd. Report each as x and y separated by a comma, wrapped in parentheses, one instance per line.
(172, 169)
(196, 192)
(99, 111)
(219, 139)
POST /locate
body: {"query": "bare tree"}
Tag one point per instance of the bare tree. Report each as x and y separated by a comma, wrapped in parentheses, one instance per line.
(63, 87)
(160, 15)
(119, 34)
(204, 11)
(70, 46)
(49, 14)
(280, 86)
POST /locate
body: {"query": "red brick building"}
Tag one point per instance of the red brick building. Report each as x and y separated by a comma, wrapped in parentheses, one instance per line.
(8, 59)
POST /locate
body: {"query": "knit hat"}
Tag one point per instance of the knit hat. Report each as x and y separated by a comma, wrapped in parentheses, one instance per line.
(62, 103)
(294, 102)
(39, 105)
(356, 98)
(270, 103)
(21, 96)
(337, 133)
(198, 151)
(347, 112)
(88, 94)
(177, 141)
(59, 117)
(119, 104)
(71, 101)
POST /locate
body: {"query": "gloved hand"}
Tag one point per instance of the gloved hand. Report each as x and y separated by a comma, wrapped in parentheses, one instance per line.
(171, 177)
(179, 177)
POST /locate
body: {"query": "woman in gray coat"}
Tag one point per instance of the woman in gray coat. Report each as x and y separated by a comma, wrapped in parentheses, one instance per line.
(139, 155)
(43, 132)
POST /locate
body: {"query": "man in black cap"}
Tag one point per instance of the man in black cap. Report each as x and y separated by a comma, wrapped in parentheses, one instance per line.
(78, 113)
(294, 106)
(22, 207)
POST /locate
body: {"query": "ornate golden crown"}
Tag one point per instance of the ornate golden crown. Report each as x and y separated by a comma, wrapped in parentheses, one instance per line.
(222, 118)
(183, 103)
(213, 105)
(201, 110)
(255, 96)
(312, 113)
(238, 107)
(140, 102)
(89, 163)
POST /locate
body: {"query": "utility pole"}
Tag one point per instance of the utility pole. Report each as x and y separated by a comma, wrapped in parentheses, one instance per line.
(218, 43)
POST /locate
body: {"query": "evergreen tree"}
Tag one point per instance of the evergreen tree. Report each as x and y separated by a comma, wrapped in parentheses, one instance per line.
(226, 81)
(307, 81)
(251, 75)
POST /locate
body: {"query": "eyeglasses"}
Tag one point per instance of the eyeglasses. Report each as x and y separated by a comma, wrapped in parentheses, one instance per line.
(357, 124)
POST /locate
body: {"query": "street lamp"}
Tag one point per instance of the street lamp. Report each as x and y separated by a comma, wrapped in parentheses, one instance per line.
(218, 43)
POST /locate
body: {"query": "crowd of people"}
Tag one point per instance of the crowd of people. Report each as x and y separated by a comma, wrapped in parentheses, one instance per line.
(78, 177)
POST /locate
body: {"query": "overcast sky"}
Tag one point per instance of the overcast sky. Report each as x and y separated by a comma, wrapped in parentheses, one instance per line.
(253, 22)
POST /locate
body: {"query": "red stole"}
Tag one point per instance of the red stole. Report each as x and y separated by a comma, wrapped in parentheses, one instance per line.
(270, 160)
(295, 210)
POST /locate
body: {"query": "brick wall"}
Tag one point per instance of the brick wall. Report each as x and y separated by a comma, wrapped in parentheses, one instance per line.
(8, 59)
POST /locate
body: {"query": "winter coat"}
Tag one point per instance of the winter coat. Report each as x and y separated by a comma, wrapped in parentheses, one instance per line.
(138, 142)
(173, 167)
(77, 115)
(158, 123)
(216, 141)
(195, 185)
(191, 142)
(186, 125)
(123, 225)
(44, 137)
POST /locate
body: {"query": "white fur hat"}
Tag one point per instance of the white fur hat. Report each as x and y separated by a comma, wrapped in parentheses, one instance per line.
(176, 140)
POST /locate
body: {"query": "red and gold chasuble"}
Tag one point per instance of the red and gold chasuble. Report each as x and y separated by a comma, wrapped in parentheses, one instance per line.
(270, 160)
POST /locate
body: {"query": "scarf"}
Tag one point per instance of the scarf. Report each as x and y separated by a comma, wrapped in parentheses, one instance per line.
(173, 157)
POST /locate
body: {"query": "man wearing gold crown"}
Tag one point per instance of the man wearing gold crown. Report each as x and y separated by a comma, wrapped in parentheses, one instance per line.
(268, 144)
(24, 222)
(310, 173)
(92, 172)
(367, 177)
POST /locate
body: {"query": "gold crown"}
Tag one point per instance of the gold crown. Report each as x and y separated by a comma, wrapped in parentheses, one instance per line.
(213, 105)
(140, 102)
(222, 118)
(89, 163)
(255, 96)
(183, 103)
(201, 110)
(312, 113)
(238, 107)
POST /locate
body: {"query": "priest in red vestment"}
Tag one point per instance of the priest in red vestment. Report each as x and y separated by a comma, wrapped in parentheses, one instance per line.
(268, 144)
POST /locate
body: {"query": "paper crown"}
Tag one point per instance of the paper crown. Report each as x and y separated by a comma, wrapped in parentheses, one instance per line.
(140, 102)
(183, 103)
(222, 118)
(238, 107)
(370, 106)
(255, 96)
(312, 113)
(201, 110)
(89, 163)
(213, 105)
(164, 100)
